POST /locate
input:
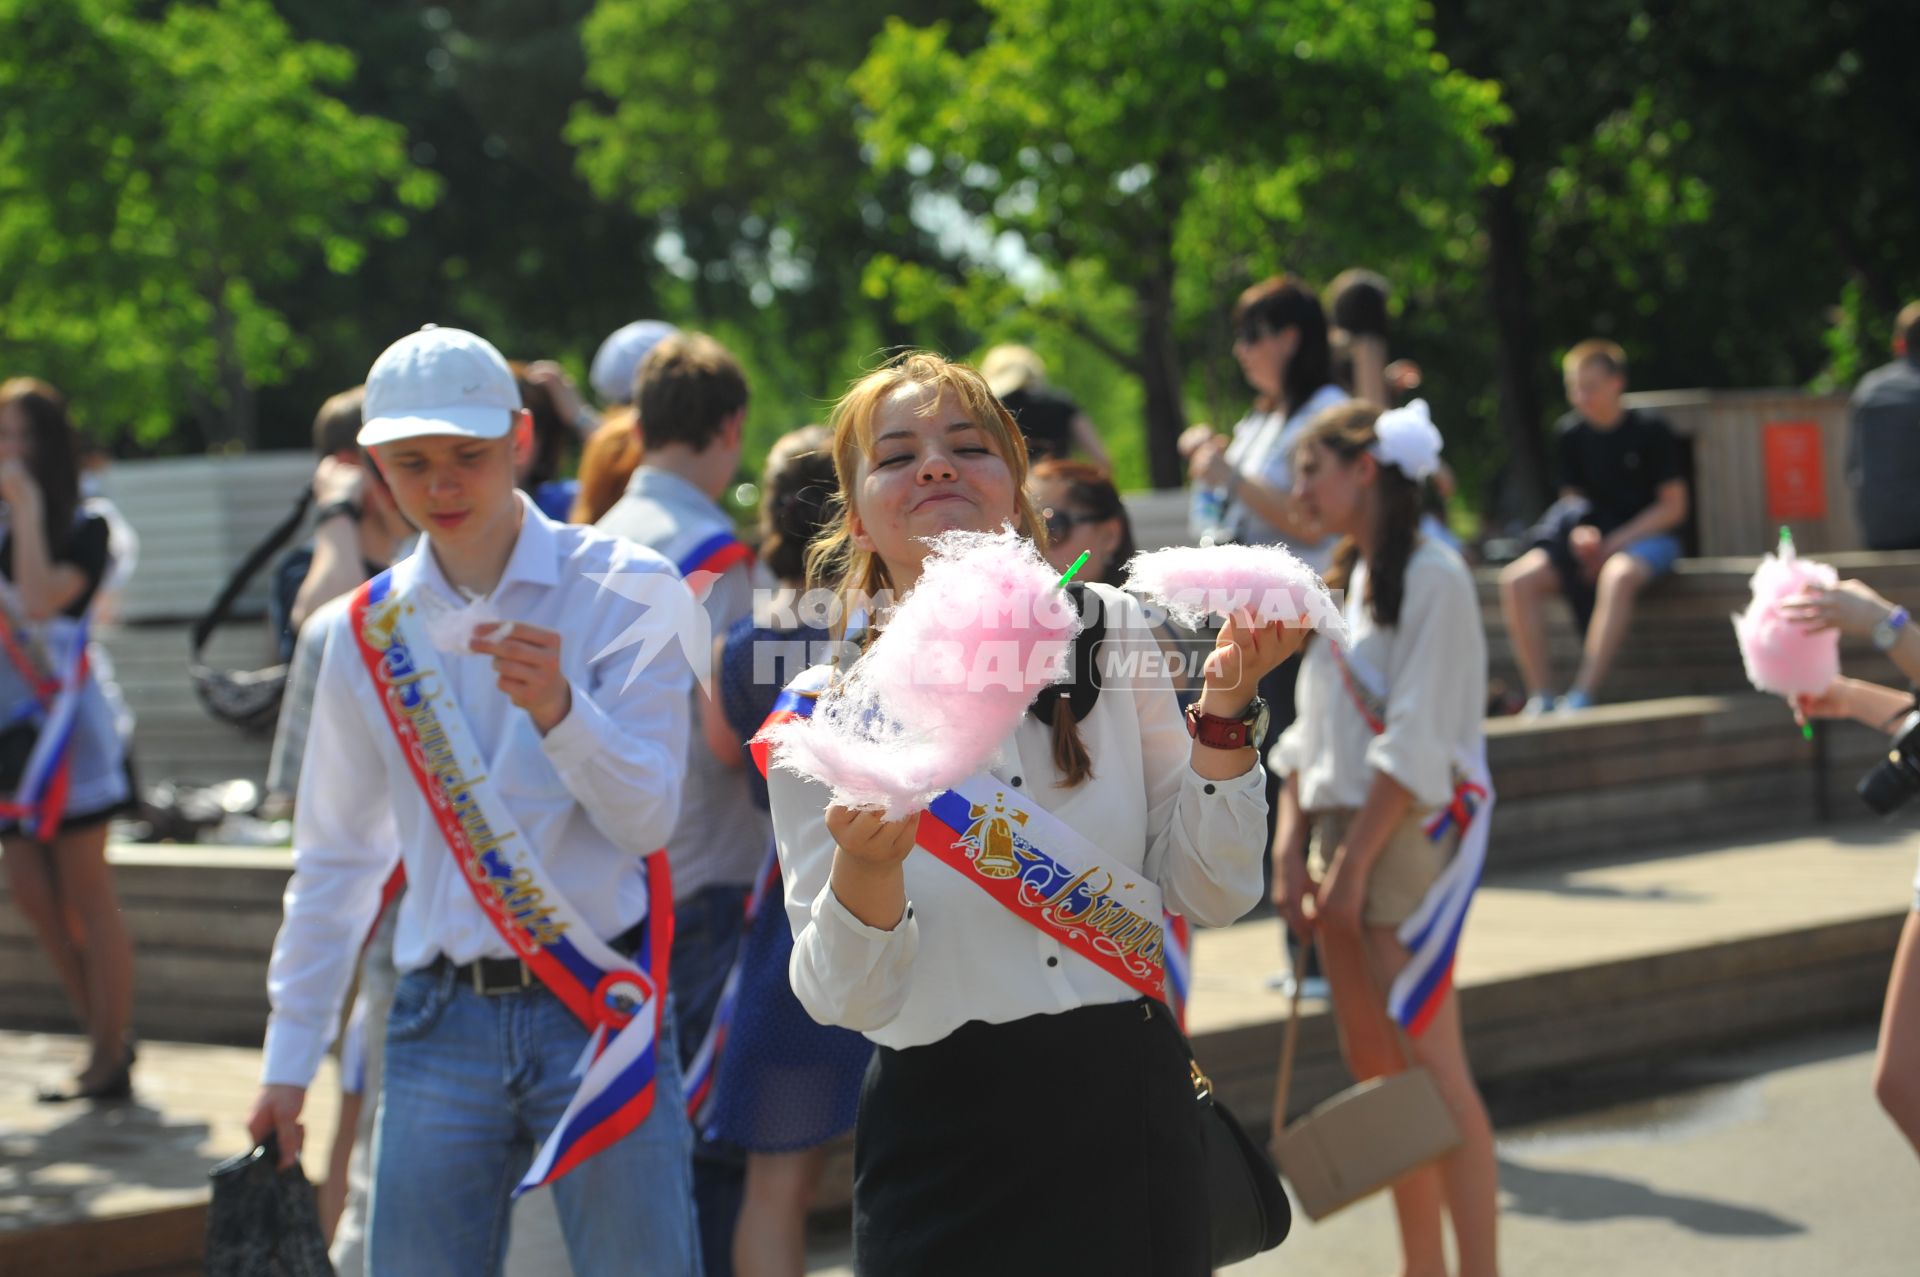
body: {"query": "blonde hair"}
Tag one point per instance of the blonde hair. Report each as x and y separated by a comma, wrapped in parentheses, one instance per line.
(858, 575)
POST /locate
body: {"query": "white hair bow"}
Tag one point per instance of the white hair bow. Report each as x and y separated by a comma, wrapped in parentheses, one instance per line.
(1407, 438)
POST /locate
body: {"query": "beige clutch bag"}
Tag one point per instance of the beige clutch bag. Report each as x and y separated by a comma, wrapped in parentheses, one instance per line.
(1362, 1139)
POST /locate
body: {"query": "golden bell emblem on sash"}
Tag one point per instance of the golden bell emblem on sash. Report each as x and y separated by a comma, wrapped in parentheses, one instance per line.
(991, 837)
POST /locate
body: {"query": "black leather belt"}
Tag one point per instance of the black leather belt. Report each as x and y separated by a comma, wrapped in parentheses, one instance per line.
(491, 977)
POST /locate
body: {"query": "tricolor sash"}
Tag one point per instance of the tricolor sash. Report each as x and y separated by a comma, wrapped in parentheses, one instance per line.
(1432, 933)
(703, 1071)
(51, 659)
(1179, 965)
(713, 554)
(1030, 861)
(620, 1000)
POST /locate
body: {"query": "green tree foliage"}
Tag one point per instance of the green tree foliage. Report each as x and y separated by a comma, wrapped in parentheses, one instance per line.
(1704, 183)
(158, 176)
(732, 124)
(1143, 162)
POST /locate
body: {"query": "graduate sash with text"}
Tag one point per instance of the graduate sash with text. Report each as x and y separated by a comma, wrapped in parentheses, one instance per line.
(1432, 933)
(620, 1000)
(1032, 863)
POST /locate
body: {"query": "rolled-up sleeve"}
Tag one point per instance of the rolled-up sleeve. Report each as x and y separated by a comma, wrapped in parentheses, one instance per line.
(621, 750)
(843, 971)
(344, 846)
(1205, 838)
(1436, 683)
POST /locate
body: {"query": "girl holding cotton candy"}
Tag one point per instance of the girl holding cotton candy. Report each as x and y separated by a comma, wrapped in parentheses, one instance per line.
(1028, 1111)
(1385, 774)
(1855, 608)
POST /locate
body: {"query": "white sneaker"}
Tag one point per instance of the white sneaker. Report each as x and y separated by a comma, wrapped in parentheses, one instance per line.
(1537, 704)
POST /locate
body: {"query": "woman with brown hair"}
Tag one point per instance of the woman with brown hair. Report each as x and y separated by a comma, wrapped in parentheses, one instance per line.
(1243, 486)
(1385, 771)
(981, 1012)
(53, 558)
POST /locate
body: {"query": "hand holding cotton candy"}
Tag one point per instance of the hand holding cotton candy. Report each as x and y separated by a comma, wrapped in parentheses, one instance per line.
(451, 628)
(1780, 654)
(1263, 582)
(930, 702)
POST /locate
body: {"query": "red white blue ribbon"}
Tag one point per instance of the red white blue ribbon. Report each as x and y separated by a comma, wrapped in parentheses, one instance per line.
(39, 805)
(1055, 881)
(1179, 965)
(620, 1000)
(1432, 933)
(714, 555)
(703, 1071)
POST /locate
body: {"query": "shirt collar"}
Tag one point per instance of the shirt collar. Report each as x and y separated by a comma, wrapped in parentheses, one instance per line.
(535, 558)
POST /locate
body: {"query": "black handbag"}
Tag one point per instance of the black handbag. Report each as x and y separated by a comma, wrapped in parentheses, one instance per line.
(248, 699)
(264, 1222)
(1248, 1212)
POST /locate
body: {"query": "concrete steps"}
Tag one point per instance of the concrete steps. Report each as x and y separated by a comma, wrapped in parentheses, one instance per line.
(1682, 639)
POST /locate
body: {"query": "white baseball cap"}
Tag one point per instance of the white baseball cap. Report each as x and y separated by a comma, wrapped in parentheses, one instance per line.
(619, 356)
(438, 381)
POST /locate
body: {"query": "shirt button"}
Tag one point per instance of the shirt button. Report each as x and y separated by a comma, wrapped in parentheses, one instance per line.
(1209, 789)
(1015, 782)
(909, 911)
(1053, 962)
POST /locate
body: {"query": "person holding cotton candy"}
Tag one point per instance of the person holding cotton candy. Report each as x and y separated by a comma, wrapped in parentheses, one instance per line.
(955, 938)
(1385, 771)
(1855, 608)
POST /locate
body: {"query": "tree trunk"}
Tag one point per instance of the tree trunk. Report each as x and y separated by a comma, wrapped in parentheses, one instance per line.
(241, 418)
(1160, 376)
(1511, 287)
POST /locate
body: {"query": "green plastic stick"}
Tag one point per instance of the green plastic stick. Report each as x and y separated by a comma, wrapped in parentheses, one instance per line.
(1077, 565)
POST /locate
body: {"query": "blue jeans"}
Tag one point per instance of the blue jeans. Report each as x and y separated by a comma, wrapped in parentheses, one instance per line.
(473, 1085)
(707, 930)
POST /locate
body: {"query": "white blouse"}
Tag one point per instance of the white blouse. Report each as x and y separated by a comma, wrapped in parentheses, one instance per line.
(1263, 448)
(958, 955)
(1435, 666)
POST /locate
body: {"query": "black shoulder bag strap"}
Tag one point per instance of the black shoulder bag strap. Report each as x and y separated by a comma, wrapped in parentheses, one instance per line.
(249, 568)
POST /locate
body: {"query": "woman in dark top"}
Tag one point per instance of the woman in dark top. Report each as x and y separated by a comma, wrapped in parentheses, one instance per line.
(784, 1085)
(1052, 424)
(53, 558)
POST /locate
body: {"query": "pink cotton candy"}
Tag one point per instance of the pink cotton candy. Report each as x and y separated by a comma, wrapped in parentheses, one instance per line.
(1264, 581)
(1780, 654)
(945, 683)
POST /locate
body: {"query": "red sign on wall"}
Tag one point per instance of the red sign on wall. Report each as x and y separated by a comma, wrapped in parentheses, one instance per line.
(1796, 471)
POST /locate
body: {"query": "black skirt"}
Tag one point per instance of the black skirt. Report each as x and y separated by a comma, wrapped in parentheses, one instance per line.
(1057, 1144)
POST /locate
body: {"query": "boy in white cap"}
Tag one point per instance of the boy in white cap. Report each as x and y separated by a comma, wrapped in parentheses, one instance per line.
(523, 781)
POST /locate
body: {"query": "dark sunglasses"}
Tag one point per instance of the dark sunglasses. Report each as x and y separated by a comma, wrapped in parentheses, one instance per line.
(1061, 523)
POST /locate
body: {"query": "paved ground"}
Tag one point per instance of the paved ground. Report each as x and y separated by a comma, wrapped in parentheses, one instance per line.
(58, 1165)
(1564, 916)
(1769, 1163)
(61, 1162)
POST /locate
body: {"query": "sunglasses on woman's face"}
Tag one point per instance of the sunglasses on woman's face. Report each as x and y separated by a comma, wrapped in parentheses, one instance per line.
(1061, 523)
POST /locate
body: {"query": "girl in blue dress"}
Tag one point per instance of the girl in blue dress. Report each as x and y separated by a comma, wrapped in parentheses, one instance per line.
(784, 1085)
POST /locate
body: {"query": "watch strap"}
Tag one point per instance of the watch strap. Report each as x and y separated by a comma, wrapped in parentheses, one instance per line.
(1216, 732)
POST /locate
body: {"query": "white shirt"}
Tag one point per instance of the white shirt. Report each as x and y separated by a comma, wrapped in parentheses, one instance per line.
(1435, 666)
(959, 955)
(1262, 449)
(595, 794)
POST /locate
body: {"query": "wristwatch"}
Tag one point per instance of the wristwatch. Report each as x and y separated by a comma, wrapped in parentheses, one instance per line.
(1215, 732)
(1887, 633)
(334, 509)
